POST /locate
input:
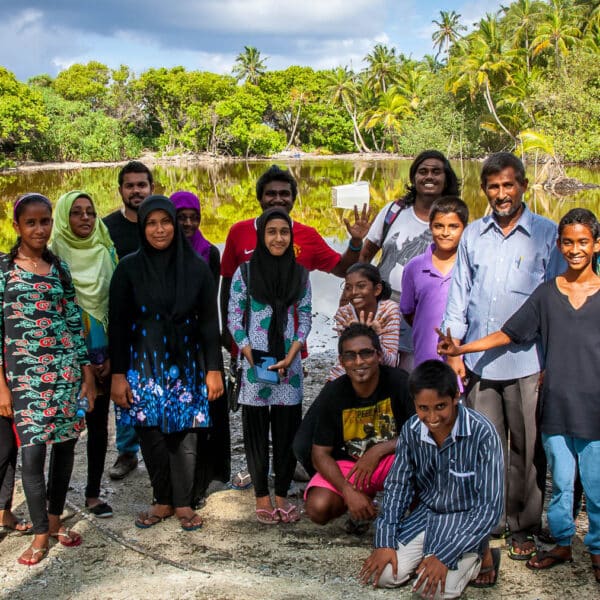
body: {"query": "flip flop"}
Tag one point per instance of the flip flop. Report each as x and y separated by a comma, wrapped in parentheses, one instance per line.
(33, 560)
(516, 541)
(241, 481)
(555, 559)
(188, 524)
(142, 517)
(8, 529)
(496, 555)
(267, 517)
(289, 514)
(66, 539)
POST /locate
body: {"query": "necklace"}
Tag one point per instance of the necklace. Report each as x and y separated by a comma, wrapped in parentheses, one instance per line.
(28, 258)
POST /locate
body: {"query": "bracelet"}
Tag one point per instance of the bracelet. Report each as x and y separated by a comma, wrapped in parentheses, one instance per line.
(354, 248)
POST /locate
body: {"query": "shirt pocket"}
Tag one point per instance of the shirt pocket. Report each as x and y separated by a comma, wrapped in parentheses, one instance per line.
(526, 274)
(461, 474)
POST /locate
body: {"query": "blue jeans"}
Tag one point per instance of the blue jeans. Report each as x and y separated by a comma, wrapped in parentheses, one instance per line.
(562, 452)
(127, 439)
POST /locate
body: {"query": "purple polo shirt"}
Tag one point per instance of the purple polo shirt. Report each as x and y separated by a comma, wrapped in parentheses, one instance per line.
(424, 293)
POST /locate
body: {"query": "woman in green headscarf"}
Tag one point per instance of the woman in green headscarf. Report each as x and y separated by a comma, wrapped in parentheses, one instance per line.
(83, 242)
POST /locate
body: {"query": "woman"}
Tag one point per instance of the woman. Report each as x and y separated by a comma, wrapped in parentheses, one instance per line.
(265, 295)
(83, 242)
(189, 217)
(217, 442)
(401, 229)
(164, 352)
(41, 375)
(368, 302)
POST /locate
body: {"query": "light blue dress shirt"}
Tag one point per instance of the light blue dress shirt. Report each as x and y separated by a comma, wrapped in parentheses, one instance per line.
(493, 276)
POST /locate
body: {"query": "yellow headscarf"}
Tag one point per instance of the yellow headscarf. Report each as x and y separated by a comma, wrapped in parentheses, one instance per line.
(92, 260)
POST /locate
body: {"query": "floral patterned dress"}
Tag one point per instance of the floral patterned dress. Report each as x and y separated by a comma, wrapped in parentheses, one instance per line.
(43, 351)
(289, 390)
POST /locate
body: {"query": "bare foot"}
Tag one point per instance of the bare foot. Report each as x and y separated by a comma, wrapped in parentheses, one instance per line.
(551, 558)
(9, 520)
(487, 575)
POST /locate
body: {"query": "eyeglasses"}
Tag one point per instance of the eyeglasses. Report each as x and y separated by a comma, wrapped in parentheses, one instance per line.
(190, 218)
(79, 214)
(280, 193)
(365, 354)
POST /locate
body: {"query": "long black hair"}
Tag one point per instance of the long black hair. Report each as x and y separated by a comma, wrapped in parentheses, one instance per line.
(371, 272)
(451, 184)
(47, 255)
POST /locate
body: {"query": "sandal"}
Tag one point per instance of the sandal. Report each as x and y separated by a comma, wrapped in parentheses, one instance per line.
(519, 541)
(192, 523)
(485, 570)
(19, 527)
(102, 510)
(68, 538)
(241, 481)
(145, 520)
(596, 567)
(37, 555)
(289, 514)
(267, 517)
(553, 558)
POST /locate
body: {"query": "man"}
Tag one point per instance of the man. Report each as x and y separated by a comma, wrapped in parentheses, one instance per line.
(135, 185)
(448, 469)
(502, 258)
(276, 187)
(360, 414)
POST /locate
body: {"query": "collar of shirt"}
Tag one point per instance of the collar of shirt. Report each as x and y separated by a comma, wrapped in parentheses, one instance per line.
(524, 223)
(461, 428)
(428, 266)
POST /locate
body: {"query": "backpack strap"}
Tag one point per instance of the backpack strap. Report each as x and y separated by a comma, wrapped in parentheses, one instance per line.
(392, 213)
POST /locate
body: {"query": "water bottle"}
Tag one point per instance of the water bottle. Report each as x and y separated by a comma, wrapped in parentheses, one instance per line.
(82, 406)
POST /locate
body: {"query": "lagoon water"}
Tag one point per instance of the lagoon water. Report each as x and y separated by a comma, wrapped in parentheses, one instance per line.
(227, 194)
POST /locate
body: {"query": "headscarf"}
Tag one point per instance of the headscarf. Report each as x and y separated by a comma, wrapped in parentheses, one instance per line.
(183, 200)
(91, 260)
(276, 280)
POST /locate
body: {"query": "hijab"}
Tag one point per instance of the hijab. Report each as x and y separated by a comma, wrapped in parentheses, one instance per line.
(278, 281)
(183, 200)
(91, 260)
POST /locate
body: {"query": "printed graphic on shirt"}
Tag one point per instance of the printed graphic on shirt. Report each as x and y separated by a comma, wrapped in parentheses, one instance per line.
(365, 427)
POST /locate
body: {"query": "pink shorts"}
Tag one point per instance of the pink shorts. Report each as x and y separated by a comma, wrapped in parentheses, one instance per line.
(346, 466)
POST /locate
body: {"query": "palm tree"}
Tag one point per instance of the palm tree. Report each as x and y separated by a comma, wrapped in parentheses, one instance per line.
(249, 65)
(382, 67)
(521, 20)
(449, 28)
(557, 32)
(343, 91)
(392, 109)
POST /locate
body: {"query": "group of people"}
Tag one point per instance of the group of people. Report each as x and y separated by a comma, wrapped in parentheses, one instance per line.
(125, 308)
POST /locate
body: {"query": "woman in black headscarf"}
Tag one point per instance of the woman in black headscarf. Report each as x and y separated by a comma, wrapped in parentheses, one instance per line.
(270, 316)
(165, 356)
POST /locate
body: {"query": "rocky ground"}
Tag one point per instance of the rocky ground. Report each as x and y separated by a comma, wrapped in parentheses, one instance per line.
(233, 556)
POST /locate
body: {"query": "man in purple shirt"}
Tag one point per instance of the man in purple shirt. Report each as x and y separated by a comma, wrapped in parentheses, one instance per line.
(426, 278)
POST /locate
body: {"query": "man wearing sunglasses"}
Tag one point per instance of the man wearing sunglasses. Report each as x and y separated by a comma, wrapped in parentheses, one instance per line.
(360, 415)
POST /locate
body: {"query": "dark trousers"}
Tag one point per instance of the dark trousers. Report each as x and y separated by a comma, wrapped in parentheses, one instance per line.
(304, 438)
(41, 499)
(171, 462)
(284, 422)
(8, 463)
(97, 442)
(512, 406)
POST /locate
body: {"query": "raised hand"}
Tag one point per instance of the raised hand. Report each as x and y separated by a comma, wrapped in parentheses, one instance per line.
(362, 223)
(446, 345)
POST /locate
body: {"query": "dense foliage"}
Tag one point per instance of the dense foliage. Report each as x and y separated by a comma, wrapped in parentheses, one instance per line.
(527, 77)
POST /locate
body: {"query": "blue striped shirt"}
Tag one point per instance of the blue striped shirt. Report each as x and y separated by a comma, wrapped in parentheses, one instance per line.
(459, 488)
(493, 276)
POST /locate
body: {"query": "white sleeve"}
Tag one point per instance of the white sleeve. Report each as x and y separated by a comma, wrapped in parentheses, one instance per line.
(376, 231)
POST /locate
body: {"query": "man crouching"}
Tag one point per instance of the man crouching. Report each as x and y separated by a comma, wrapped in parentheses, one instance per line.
(448, 465)
(359, 417)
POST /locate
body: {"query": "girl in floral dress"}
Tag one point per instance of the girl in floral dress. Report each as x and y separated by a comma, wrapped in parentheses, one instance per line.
(44, 369)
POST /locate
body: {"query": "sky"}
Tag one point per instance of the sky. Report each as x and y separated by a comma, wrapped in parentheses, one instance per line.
(38, 36)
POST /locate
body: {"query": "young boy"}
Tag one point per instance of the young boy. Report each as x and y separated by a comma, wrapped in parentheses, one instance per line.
(426, 278)
(449, 466)
(563, 315)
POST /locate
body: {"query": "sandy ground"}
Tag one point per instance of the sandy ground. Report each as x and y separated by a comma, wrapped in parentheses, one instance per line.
(233, 556)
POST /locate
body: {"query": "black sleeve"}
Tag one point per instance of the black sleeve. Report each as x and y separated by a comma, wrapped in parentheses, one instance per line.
(208, 323)
(120, 318)
(328, 419)
(214, 263)
(524, 326)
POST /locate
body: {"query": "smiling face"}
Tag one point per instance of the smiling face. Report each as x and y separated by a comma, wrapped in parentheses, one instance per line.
(82, 217)
(34, 226)
(446, 230)
(578, 246)
(438, 413)
(159, 229)
(430, 179)
(504, 193)
(361, 292)
(277, 236)
(360, 359)
(277, 193)
(189, 221)
(135, 189)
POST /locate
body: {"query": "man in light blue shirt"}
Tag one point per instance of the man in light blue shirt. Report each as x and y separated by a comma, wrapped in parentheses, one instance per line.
(501, 259)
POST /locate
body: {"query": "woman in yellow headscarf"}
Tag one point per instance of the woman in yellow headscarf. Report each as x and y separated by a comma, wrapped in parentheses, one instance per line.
(83, 242)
